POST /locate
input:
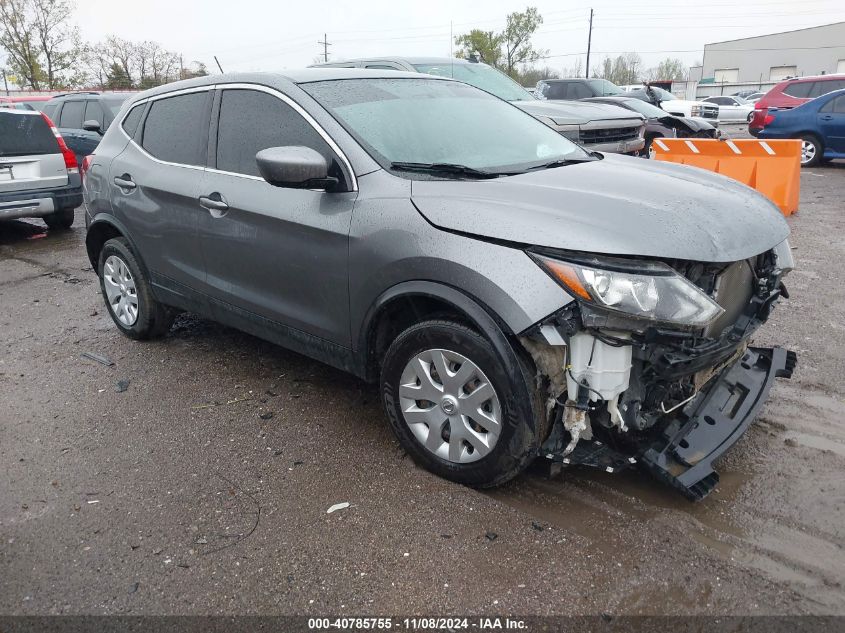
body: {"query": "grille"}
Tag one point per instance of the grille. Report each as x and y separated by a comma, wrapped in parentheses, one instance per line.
(609, 135)
(710, 112)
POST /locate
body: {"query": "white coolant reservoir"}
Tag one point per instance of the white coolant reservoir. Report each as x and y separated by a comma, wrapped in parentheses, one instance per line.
(607, 368)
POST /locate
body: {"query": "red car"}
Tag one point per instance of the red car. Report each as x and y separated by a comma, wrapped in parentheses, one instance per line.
(791, 93)
(34, 102)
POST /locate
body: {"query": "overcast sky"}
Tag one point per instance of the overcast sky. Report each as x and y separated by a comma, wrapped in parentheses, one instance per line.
(274, 35)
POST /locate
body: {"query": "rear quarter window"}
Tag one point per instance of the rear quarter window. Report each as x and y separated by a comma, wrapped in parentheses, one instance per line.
(130, 123)
(176, 129)
(799, 89)
(24, 134)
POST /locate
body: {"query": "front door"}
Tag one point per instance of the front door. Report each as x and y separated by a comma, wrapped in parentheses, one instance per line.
(277, 253)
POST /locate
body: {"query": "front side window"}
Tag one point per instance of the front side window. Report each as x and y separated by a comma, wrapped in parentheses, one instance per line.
(251, 121)
(176, 129)
(836, 105)
(431, 121)
(72, 114)
(93, 112)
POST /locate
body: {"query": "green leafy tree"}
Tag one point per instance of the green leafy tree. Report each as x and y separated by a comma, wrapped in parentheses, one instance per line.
(506, 50)
(19, 38)
(117, 78)
(487, 45)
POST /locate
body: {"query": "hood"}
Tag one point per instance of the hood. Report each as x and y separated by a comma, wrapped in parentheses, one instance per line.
(574, 112)
(615, 206)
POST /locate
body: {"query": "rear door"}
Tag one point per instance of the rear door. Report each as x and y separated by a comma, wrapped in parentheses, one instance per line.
(275, 252)
(30, 159)
(154, 185)
(832, 124)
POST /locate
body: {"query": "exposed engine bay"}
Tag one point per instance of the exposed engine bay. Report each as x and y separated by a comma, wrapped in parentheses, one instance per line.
(672, 397)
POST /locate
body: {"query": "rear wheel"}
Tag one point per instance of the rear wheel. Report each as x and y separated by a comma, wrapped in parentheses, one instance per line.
(811, 151)
(455, 409)
(60, 220)
(127, 293)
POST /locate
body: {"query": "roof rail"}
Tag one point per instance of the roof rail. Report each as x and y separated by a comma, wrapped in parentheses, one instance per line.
(80, 92)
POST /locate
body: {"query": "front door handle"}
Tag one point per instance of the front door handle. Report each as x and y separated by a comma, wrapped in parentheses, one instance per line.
(125, 182)
(215, 203)
(827, 117)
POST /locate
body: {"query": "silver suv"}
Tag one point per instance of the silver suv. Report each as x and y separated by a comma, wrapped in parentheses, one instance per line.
(512, 295)
(39, 175)
(597, 127)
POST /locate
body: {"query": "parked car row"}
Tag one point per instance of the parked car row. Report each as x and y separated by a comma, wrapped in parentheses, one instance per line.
(511, 293)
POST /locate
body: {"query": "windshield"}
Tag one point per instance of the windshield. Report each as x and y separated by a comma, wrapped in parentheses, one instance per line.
(478, 75)
(644, 108)
(605, 88)
(434, 121)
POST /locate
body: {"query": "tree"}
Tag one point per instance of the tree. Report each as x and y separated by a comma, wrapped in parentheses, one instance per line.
(197, 69)
(623, 70)
(669, 69)
(58, 40)
(487, 45)
(530, 76)
(517, 38)
(18, 35)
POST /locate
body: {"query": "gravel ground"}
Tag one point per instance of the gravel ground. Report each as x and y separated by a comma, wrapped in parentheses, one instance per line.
(201, 486)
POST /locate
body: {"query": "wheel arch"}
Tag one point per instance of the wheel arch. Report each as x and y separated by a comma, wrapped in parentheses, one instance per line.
(103, 228)
(413, 301)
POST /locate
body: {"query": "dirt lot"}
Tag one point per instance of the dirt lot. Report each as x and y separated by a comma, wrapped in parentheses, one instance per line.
(202, 486)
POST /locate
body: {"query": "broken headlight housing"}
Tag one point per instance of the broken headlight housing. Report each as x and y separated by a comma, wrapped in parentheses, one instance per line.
(646, 290)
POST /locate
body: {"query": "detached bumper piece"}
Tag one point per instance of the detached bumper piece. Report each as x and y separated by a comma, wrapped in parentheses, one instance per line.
(684, 455)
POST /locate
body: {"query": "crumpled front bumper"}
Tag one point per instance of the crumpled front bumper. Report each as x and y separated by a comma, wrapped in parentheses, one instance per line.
(683, 456)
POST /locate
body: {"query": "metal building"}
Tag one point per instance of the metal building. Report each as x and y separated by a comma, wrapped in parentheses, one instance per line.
(764, 60)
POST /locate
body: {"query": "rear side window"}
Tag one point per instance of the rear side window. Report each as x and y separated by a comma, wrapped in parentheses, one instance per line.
(251, 121)
(556, 91)
(94, 112)
(799, 89)
(835, 105)
(130, 123)
(823, 87)
(23, 134)
(72, 114)
(175, 129)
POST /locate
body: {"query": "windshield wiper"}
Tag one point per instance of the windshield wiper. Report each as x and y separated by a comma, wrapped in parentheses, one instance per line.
(560, 162)
(446, 168)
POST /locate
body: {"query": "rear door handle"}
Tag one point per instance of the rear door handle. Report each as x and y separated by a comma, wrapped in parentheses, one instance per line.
(125, 182)
(215, 203)
(827, 117)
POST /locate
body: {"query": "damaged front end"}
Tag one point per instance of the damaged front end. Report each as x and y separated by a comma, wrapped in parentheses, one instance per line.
(652, 365)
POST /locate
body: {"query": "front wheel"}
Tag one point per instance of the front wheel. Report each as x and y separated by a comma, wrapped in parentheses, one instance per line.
(455, 409)
(811, 151)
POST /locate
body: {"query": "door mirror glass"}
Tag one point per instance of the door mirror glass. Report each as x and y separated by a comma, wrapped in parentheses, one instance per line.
(92, 125)
(294, 166)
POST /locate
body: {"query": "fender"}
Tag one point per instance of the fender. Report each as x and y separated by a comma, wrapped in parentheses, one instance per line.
(495, 331)
(106, 218)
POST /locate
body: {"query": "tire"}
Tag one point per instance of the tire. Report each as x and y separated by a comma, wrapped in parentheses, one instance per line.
(749, 117)
(61, 220)
(484, 455)
(812, 151)
(646, 151)
(121, 273)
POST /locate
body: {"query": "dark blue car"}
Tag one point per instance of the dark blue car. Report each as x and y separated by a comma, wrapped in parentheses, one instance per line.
(819, 123)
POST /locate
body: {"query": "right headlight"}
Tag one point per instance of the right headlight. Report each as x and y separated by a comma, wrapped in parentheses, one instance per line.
(695, 110)
(647, 290)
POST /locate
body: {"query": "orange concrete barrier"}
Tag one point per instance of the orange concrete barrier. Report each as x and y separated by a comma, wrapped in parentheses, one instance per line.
(772, 167)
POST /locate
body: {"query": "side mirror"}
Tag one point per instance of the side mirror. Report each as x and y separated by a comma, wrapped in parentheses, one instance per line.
(92, 126)
(295, 167)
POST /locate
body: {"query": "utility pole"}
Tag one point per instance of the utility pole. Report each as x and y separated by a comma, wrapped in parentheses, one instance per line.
(181, 67)
(589, 43)
(326, 44)
(5, 82)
